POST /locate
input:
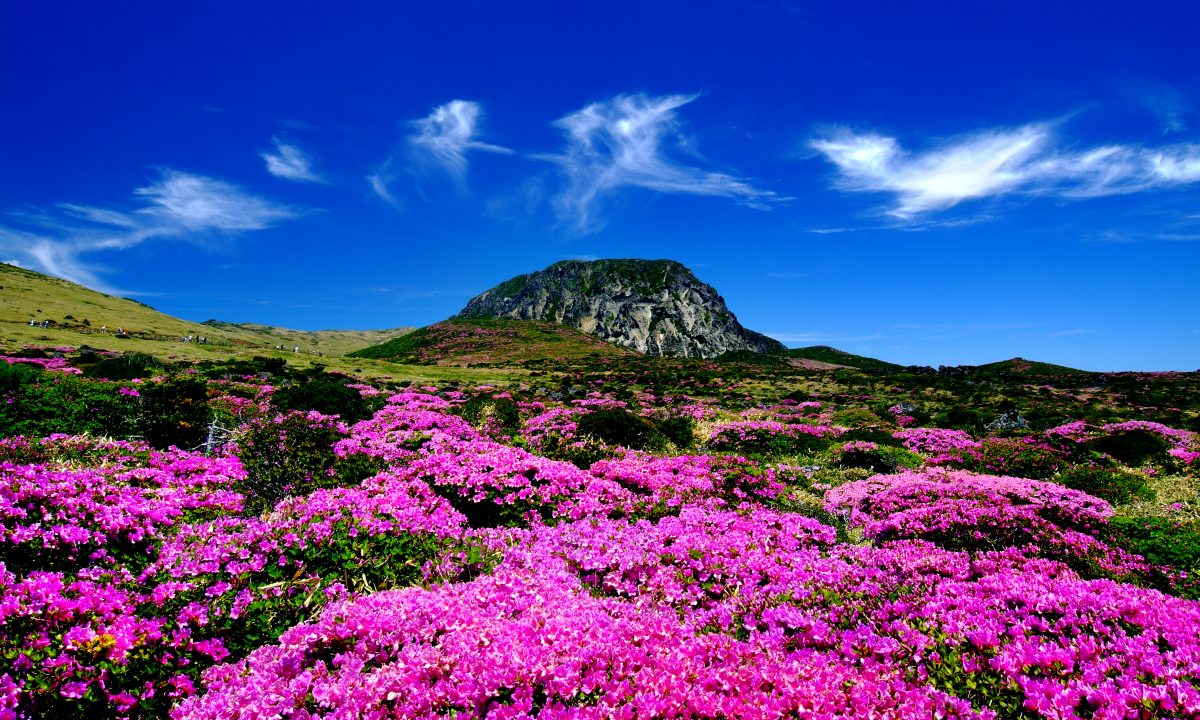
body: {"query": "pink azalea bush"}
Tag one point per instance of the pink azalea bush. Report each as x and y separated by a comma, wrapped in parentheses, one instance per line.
(720, 613)
(959, 510)
(472, 576)
(940, 446)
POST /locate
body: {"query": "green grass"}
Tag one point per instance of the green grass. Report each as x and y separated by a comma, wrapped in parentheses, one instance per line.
(490, 342)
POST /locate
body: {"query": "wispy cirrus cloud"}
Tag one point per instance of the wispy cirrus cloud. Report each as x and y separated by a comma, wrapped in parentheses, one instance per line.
(290, 162)
(992, 163)
(624, 143)
(443, 138)
(177, 205)
(440, 143)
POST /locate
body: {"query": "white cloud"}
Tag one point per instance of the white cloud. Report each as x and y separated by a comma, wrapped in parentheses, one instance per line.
(440, 143)
(290, 162)
(181, 203)
(622, 143)
(176, 205)
(997, 162)
(379, 185)
(446, 135)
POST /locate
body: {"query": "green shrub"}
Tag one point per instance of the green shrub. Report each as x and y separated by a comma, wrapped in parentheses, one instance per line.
(1165, 542)
(1114, 485)
(1018, 458)
(328, 395)
(581, 452)
(855, 417)
(877, 435)
(1132, 447)
(961, 418)
(766, 442)
(885, 459)
(499, 415)
(126, 366)
(293, 455)
(621, 427)
(679, 430)
(173, 412)
(36, 403)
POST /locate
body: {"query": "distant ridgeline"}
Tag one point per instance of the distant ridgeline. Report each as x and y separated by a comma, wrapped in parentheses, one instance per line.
(655, 307)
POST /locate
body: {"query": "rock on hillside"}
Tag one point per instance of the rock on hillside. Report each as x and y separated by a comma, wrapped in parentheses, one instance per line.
(655, 307)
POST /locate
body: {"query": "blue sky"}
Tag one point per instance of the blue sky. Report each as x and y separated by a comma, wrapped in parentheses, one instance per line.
(928, 183)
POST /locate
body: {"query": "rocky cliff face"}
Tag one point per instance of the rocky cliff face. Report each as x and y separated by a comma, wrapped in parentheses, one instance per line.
(656, 307)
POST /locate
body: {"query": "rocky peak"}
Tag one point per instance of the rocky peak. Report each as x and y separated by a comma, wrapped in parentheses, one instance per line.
(656, 307)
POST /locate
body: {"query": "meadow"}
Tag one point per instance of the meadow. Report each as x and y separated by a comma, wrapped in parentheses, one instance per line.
(592, 535)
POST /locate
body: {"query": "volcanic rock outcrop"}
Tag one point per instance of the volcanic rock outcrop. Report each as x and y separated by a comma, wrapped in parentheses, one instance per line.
(655, 307)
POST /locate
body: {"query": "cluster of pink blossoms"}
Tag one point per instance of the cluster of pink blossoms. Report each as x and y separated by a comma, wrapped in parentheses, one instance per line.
(962, 510)
(644, 586)
(940, 446)
(736, 614)
(53, 364)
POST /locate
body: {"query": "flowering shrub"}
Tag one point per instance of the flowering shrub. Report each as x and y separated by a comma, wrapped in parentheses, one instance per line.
(88, 647)
(395, 433)
(727, 614)
(422, 564)
(51, 363)
(494, 484)
(962, 511)
(939, 445)
(55, 518)
(662, 484)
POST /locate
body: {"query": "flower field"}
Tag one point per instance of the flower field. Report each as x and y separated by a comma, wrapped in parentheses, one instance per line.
(627, 550)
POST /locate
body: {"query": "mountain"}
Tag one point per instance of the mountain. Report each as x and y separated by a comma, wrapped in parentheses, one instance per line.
(841, 358)
(76, 315)
(489, 342)
(655, 307)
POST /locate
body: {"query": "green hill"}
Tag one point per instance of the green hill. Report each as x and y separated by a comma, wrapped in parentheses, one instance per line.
(76, 315)
(826, 354)
(1021, 366)
(489, 342)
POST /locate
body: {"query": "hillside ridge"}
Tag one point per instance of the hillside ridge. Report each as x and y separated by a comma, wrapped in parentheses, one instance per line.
(67, 306)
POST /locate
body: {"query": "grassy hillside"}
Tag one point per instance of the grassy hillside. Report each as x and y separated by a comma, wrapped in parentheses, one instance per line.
(328, 342)
(490, 342)
(1021, 366)
(826, 354)
(77, 315)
